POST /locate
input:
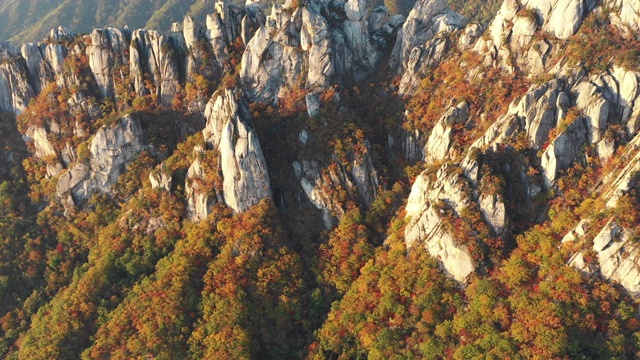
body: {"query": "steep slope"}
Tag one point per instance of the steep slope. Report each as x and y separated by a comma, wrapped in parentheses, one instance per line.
(368, 185)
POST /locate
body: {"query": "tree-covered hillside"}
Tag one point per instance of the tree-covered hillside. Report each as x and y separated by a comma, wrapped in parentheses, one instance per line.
(325, 180)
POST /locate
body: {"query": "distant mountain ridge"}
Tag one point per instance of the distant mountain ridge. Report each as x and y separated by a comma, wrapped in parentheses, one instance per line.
(24, 21)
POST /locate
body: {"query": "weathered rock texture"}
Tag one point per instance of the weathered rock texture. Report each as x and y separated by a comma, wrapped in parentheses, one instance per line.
(358, 180)
(313, 46)
(617, 251)
(241, 164)
(423, 41)
(559, 119)
(440, 140)
(426, 226)
(112, 149)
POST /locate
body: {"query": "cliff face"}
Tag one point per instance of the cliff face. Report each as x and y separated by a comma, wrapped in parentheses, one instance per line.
(568, 120)
(112, 148)
(423, 41)
(286, 50)
(374, 186)
(242, 166)
(570, 114)
(314, 46)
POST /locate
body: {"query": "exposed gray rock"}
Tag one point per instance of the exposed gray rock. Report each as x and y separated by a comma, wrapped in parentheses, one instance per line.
(153, 54)
(470, 35)
(55, 55)
(315, 38)
(231, 16)
(303, 137)
(365, 177)
(510, 36)
(68, 155)
(112, 149)
(15, 90)
(423, 42)
(73, 186)
(425, 225)
(441, 138)
(413, 143)
(618, 257)
(242, 164)
(538, 109)
(616, 184)
(160, 178)
(202, 193)
(579, 231)
(561, 17)
(379, 18)
(61, 33)
(524, 28)
(119, 40)
(493, 212)
(620, 88)
(101, 61)
(605, 148)
(359, 180)
(427, 19)
(253, 19)
(81, 103)
(626, 15)
(190, 32)
(564, 150)
(595, 108)
(312, 46)
(42, 145)
(215, 33)
(313, 183)
(40, 71)
(421, 59)
(313, 104)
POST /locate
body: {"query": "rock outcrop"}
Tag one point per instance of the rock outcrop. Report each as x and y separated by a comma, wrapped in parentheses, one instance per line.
(441, 137)
(241, 164)
(15, 88)
(203, 188)
(313, 46)
(625, 14)
(423, 41)
(426, 226)
(358, 181)
(161, 178)
(617, 252)
(100, 57)
(112, 149)
(577, 108)
(511, 34)
(157, 64)
(559, 118)
(39, 68)
(153, 54)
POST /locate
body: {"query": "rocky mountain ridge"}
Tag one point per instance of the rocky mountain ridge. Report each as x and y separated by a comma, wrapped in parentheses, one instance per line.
(147, 63)
(561, 118)
(360, 180)
(312, 47)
